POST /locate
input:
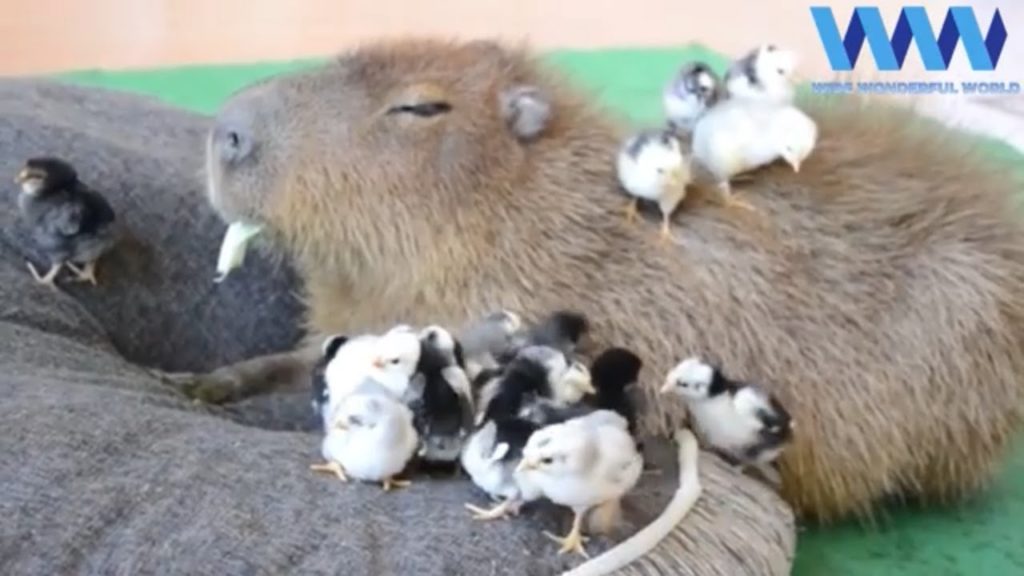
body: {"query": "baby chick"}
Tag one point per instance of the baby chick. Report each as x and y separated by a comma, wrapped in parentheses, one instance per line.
(486, 340)
(490, 457)
(738, 136)
(742, 421)
(388, 360)
(371, 438)
(612, 373)
(321, 396)
(440, 398)
(536, 373)
(694, 89)
(764, 74)
(651, 166)
(73, 224)
(562, 330)
(583, 463)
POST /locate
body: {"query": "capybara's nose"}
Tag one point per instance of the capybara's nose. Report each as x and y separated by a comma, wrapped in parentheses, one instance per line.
(232, 137)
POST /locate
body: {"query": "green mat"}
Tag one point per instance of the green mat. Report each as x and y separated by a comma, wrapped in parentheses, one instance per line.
(983, 537)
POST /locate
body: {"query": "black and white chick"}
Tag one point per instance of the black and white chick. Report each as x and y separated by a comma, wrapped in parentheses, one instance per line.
(370, 438)
(440, 398)
(652, 166)
(70, 222)
(537, 374)
(585, 463)
(694, 89)
(764, 74)
(743, 422)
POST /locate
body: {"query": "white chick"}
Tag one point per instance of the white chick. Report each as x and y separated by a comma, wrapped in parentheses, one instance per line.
(651, 166)
(693, 90)
(764, 74)
(583, 463)
(371, 438)
(737, 136)
(741, 421)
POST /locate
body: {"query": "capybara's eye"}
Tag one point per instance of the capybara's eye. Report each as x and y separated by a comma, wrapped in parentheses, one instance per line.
(424, 110)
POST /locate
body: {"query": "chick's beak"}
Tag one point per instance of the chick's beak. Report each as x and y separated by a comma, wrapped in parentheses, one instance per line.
(668, 386)
(588, 386)
(525, 465)
(341, 426)
(22, 176)
(378, 363)
(794, 163)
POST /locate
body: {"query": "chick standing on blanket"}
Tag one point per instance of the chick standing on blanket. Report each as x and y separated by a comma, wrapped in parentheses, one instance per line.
(738, 136)
(440, 398)
(693, 90)
(651, 165)
(583, 463)
(73, 224)
(370, 438)
(742, 421)
(764, 74)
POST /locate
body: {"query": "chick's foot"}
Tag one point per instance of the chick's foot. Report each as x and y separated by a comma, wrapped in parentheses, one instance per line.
(85, 274)
(572, 542)
(49, 278)
(331, 468)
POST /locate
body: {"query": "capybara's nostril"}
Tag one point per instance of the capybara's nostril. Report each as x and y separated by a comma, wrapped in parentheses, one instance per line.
(232, 138)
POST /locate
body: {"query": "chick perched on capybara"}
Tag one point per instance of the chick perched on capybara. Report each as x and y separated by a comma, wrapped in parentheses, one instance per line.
(876, 292)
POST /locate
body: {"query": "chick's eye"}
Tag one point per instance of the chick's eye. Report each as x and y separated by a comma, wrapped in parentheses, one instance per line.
(395, 360)
(547, 461)
(424, 110)
(355, 421)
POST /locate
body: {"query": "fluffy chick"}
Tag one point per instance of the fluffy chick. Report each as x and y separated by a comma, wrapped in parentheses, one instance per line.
(651, 165)
(562, 330)
(693, 90)
(738, 136)
(389, 360)
(490, 457)
(440, 398)
(741, 421)
(71, 223)
(484, 341)
(535, 374)
(371, 438)
(764, 74)
(583, 463)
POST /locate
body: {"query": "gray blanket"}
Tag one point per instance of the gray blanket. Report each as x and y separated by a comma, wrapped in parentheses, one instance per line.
(106, 471)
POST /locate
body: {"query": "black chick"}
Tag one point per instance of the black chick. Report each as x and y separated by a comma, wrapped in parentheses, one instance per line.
(561, 330)
(613, 372)
(73, 224)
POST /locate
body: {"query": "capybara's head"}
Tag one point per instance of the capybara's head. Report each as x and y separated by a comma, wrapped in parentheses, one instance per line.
(379, 136)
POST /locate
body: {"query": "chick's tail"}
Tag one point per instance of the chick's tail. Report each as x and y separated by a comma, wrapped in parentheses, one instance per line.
(646, 539)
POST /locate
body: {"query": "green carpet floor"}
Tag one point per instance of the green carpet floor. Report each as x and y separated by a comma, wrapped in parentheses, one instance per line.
(981, 538)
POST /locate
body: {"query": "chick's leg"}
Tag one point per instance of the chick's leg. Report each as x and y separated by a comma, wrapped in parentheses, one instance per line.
(631, 210)
(668, 207)
(572, 542)
(508, 507)
(331, 467)
(50, 276)
(392, 483)
(85, 274)
(728, 198)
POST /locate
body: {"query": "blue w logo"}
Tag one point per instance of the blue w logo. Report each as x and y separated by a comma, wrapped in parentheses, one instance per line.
(913, 23)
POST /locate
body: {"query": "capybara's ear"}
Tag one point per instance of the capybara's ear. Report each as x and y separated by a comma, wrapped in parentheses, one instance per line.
(526, 111)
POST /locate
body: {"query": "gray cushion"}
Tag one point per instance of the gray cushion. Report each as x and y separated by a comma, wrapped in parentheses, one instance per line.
(107, 471)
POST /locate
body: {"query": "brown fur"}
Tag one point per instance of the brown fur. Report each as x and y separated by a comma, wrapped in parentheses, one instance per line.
(877, 292)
